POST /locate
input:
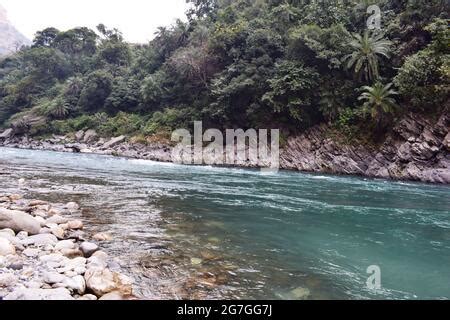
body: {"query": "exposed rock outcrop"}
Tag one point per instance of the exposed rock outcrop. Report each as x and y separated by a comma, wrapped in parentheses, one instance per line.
(415, 150)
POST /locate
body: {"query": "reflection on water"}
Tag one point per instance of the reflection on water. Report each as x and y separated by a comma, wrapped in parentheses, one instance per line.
(202, 232)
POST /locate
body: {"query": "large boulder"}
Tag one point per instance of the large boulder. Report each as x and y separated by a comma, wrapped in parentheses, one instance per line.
(19, 221)
(6, 134)
(103, 281)
(114, 142)
(90, 136)
(79, 135)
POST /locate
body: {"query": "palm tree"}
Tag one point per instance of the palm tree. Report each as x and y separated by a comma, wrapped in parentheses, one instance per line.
(365, 57)
(378, 101)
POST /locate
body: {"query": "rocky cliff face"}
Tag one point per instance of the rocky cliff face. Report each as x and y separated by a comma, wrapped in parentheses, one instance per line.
(417, 149)
(10, 38)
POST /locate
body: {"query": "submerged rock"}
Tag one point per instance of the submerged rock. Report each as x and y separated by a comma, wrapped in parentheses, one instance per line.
(102, 236)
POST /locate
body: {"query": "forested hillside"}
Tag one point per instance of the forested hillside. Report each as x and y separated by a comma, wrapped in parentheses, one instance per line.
(242, 63)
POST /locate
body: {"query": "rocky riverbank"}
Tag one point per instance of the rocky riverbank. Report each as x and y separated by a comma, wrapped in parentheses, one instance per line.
(46, 255)
(417, 149)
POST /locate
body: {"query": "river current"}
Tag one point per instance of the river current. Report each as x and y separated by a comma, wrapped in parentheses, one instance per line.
(188, 232)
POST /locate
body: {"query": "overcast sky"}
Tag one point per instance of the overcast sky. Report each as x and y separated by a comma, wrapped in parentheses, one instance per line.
(137, 19)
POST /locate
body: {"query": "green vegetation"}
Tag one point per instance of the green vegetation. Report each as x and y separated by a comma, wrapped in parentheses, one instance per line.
(241, 63)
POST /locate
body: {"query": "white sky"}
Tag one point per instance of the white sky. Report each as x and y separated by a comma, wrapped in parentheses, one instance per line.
(137, 19)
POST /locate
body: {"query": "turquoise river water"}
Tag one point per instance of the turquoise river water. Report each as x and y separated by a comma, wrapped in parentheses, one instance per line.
(203, 232)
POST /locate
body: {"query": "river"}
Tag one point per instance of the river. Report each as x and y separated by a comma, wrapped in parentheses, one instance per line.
(189, 232)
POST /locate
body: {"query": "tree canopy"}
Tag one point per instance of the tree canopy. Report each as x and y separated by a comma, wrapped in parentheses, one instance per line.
(260, 64)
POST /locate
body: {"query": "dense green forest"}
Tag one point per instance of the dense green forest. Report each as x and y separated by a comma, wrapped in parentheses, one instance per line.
(242, 63)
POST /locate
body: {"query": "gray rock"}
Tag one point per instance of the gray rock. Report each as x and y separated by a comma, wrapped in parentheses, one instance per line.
(39, 294)
(6, 134)
(65, 244)
(31, 253)
(7, 280)
(6, 247)
(79, 135)
(100, 281)
(18, 221)
(113, 142)
(57, 219)
(53, 277)
(8, 231)
(88, 248)
(40, 240)
(72, 206)
(90, 136)
(76, 284)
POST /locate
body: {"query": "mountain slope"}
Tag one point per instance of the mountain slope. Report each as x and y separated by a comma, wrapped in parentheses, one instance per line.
(10, 38)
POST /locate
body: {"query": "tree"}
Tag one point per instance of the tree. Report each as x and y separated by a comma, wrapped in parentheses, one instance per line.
(77, 41)
(424, 78)
(45, 38)
(365, 57)
(293, 89)
(96, 90)
(378, 101)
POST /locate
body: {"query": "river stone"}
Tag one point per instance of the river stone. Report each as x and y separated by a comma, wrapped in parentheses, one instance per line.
(7, 280)
(53, 277)
(57, 219)
(71, 253)
(102, 236)
(65, 244)
(115, 295)
(45, 231)
(40, 240)
(22, 235)
(8, 236)
(15, 197)
(75, 225)
(35, 203)
(41, 221)
(18, 221)
(31, 253)
(72, 264)
(196, 261)
(8, 231)
(40, 294)
(72, 206)
(52, 212)
(6, 248)
(100, 281)
(57, 232)
(76, 284)
(301, 293)
(88, 248)
(98, 260)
